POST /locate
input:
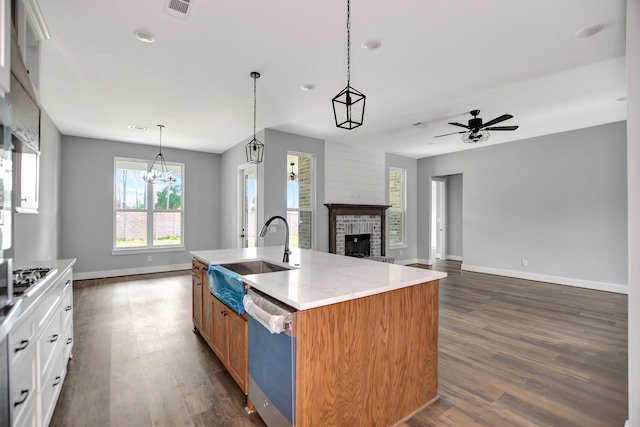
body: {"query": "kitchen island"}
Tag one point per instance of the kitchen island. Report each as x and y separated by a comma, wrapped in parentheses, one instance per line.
(366, 333)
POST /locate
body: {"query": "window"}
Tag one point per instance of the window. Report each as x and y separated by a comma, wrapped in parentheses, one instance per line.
(397, 211)
(147, 215)
(300, 200)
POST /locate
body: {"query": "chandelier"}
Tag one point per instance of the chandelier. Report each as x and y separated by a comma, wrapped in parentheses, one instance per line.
(254, 148)
(348, 105)
(162, 175)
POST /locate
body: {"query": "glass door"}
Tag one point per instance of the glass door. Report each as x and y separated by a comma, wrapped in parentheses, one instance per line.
(249, 212)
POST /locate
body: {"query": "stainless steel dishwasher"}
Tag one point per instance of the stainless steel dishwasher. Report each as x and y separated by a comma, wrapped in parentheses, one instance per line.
(272, 358)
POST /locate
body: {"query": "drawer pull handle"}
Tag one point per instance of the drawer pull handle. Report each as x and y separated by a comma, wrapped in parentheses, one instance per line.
(68, 282)
(24, 393)
(67, 308)
(23, 345)
(54, 338)
(196, 267)
(69, 340)
(58, 379)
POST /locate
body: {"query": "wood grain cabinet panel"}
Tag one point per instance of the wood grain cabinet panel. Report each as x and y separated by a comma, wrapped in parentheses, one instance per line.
(196, 277)
(219, 343)
(238, 361)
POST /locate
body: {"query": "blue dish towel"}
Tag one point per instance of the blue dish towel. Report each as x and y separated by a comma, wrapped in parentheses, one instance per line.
(227, 287)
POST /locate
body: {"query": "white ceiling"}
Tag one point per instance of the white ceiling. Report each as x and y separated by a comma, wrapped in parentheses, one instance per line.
(438, 60)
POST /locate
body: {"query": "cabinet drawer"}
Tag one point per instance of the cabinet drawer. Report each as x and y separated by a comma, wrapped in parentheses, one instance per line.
(51, 386)
(48, 306)
(22, 338)
(23, 388)
(67, 342)
(49, 345)
(66, 309)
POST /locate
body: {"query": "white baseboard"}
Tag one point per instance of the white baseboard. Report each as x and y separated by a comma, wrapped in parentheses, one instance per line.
(626, 424)
(579, 283)
(407, 261)
(130, 271)
(454, 257)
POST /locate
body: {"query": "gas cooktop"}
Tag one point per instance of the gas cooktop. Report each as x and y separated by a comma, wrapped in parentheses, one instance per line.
(25, 278)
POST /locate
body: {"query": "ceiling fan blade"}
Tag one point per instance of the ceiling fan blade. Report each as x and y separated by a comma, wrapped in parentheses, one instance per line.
(459, 124)
(502, 118)
(453, 133)
(502, 128)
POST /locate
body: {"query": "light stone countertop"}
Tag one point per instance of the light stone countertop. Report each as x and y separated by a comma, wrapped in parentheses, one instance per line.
(319, 278)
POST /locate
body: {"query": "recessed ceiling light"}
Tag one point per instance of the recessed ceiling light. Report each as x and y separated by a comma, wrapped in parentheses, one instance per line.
(588, 31)
(371, 45)
(140, 128)
(421, 125)
(145, 37)
(308, 86)
(622, 98)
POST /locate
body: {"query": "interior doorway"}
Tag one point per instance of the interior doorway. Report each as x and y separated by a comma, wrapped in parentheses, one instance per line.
(248, 206)
(438, 218)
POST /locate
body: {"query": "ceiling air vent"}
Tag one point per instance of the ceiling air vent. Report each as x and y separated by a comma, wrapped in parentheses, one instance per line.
(178, 8)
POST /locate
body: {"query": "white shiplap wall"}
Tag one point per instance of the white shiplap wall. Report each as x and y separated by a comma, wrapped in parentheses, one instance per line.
(354, 175)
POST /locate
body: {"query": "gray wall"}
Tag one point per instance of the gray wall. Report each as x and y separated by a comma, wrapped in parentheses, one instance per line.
(454, 216)
(559, 201)
(633, 156)
(408, 254)
(87, 205)
(272, 191)
(36, 236)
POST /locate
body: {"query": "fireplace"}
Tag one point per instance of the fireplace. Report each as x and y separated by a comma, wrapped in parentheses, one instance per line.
(357, 245)
(356, 220)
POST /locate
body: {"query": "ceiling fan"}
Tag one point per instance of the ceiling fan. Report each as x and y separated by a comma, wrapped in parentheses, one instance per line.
(476, 130)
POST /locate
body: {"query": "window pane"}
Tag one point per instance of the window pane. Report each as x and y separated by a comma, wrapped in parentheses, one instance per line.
(304, 182)
(395, 189)
(293, 191)
(167, 196)
(131, 229)
(131, 190)
(167, 228)
(396, 227)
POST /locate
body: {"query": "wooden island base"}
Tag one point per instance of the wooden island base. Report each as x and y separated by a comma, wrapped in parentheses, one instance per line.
(371, 361)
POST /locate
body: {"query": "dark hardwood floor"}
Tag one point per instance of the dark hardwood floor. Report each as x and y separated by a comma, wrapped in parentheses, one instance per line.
(512, 353)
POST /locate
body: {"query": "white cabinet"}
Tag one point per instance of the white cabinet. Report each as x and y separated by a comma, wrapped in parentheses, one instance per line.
(32, 31)
(40, 345)
(5, 46)
(27, 183)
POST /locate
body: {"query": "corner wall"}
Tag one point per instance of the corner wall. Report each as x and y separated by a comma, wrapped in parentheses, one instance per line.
(558, 201)
(633, 167)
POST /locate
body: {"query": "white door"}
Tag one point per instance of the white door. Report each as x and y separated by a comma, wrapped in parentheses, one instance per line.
(249, 207)
(438, 214)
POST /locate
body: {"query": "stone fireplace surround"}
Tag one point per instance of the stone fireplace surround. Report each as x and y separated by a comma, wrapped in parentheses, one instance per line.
(357, 219)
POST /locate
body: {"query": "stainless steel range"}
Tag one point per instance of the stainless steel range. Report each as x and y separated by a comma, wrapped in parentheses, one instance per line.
(25, 278)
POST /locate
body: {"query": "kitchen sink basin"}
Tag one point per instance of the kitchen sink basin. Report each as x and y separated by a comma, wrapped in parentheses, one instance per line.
(256, 266)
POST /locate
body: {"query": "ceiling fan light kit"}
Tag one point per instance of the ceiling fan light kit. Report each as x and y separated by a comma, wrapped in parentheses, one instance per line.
(348, 105)
(477, 131)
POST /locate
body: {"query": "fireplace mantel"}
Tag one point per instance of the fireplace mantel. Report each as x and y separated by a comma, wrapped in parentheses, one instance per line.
(336, 209)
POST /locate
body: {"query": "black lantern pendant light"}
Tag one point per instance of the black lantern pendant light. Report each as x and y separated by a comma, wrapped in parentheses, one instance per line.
(164, 174)
(348, 105)
(255, 148)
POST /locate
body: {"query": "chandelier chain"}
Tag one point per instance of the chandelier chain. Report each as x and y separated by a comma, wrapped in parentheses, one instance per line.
(348, 42)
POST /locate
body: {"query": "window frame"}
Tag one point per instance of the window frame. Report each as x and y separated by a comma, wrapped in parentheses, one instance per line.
(150, 211)
(403, 210)
(312, 209)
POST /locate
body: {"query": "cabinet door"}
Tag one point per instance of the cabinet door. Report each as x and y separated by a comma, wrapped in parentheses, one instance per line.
(238, 363)
(207, 320)
(220, 316)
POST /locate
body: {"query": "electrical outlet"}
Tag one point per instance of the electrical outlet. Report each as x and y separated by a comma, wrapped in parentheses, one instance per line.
(400, 252)
(149, 258)
(525, 263)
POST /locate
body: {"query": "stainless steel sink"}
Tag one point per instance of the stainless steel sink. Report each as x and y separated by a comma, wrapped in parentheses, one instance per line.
(257, 266)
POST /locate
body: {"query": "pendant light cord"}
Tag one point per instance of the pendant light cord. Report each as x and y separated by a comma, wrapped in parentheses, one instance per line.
(160, 127)
(254, 107)
(348, 43)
